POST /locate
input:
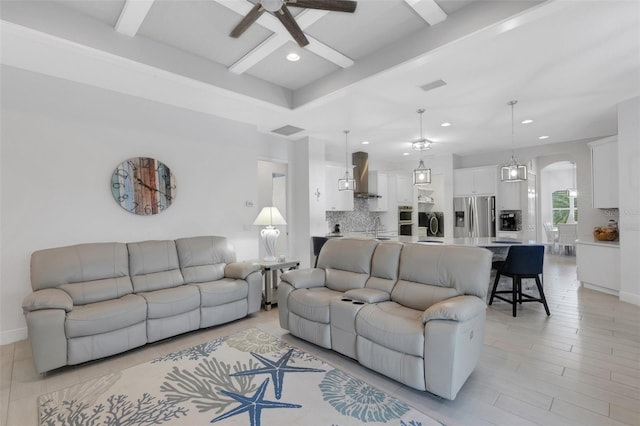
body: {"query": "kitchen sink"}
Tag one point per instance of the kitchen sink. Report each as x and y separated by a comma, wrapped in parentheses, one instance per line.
(507, 242)
(383, 238)
(430, 241)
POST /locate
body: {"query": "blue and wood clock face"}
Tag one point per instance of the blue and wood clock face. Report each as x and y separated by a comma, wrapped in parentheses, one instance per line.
(143, 186)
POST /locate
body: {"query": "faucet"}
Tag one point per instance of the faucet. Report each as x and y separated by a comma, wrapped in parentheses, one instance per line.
(376, 225)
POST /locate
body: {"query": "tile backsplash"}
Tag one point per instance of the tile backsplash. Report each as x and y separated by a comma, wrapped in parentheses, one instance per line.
(360, 219)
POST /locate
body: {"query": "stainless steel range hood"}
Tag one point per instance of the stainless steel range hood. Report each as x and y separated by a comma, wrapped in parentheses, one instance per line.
(361, 174)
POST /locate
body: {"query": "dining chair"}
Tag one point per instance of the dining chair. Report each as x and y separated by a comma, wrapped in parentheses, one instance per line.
(567, 236)
(552, 236)
(522, 262)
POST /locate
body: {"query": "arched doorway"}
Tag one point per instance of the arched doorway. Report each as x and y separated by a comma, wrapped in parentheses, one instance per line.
(558, 197)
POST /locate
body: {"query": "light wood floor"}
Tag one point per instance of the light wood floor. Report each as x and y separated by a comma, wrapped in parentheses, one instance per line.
(581, 366)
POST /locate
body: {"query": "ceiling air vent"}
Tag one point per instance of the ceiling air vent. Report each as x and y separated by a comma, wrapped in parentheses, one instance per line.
(433, 85)
(287, 130)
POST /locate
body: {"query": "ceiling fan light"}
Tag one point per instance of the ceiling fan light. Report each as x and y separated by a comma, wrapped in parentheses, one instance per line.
(272, 5)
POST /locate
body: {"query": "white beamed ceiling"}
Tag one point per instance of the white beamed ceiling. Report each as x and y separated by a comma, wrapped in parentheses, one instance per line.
(568, 63)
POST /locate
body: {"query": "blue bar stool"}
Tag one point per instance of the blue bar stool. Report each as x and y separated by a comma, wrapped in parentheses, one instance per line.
(522, 262)
(318, 242)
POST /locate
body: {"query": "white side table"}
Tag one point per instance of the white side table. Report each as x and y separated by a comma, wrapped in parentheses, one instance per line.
(270, 273)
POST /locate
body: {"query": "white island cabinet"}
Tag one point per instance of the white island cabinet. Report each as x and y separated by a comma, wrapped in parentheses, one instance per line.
(599, 265)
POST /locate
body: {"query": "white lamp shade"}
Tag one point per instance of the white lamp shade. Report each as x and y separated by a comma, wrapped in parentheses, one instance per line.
(269, 216)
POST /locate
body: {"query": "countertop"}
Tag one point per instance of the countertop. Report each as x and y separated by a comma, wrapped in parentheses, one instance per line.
(474, 242)
(594, 242)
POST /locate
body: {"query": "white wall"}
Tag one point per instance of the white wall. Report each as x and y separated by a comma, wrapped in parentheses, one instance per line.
(629, 195)
(60, 143)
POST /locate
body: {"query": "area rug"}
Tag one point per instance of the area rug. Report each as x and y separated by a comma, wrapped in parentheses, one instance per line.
(247, 378)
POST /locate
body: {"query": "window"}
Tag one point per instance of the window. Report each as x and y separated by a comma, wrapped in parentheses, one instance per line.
(562, 206)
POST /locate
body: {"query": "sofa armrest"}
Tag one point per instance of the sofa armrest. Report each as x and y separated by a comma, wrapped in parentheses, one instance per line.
(49, 298)
(240, 270)
(368, 295)
(460, 308)
(304, 278)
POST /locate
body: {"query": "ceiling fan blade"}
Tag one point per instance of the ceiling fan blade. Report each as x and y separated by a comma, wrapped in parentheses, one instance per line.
(292, 26)
(246, 22)
(332, 5)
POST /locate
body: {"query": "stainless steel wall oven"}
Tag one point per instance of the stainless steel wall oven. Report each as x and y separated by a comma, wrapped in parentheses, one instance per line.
(405, 220)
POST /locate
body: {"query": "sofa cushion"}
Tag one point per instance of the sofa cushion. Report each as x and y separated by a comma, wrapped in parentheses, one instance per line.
(153, 265)
(171, 301)
(393, 326)
(106, 316)
(347, 262)
(430, 274)
(99, 290)
(222, 291)
(204, 258)
(312, 303)
(104, 267)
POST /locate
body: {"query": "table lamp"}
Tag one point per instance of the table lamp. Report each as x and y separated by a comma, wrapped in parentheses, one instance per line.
(270, 216)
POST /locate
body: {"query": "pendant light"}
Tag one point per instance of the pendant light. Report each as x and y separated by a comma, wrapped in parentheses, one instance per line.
(347, 183)
(514, 171)
(421, 175)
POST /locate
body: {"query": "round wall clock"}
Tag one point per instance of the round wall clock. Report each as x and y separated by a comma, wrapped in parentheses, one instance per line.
(143, 186)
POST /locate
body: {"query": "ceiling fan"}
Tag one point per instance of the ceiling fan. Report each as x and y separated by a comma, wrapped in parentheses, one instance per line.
(279, 9)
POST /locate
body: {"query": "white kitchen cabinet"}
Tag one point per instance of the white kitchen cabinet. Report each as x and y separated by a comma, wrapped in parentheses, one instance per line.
(475, 181)
(604, 166)
(510, 195)
(404, 190)
(599, 266)
(378, 184)
(336, 200)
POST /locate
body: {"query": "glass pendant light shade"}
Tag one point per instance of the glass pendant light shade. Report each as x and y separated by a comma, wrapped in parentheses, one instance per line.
(514, 171)
(421, 175)
(347, 183)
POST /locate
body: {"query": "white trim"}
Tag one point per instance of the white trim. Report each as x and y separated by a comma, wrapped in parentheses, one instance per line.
(632, 298)
(13, 336)
(428, 10)
(132, 16)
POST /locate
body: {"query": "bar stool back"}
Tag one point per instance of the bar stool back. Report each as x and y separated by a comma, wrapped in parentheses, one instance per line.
(522, 262)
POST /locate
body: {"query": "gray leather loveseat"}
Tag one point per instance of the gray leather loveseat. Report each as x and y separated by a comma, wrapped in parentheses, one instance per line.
(94, 300)
(413, 312)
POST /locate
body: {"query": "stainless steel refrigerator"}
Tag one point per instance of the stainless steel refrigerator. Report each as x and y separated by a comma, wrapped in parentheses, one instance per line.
(474, 216)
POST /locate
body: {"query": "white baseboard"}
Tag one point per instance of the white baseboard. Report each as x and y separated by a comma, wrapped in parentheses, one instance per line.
(632, 298)
(12, 336)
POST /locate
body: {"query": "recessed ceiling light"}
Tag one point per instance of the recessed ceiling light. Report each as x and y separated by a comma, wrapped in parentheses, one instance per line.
(543, 137)
(365, 142)
(527, 121)
(293, 57)
(405, 153)
(446, 124)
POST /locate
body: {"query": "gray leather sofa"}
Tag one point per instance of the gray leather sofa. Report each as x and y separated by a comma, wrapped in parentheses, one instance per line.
(95, 300)
(413, 312)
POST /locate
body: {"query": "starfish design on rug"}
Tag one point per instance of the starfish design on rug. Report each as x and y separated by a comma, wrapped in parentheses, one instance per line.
(277, 370)
(253, 405)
